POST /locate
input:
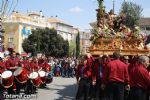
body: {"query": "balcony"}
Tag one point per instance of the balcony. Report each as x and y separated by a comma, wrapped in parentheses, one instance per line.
(29, 21)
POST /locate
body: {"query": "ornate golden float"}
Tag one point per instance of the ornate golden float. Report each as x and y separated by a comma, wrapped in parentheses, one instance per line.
(128, 46)
(111, 35)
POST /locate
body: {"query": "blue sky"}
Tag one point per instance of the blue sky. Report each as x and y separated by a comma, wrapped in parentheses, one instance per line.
(78, 13)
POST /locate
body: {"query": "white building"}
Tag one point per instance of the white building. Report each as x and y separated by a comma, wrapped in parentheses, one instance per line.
(64, 29)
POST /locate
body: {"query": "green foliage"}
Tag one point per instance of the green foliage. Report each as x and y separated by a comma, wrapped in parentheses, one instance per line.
(72, 48)
(132, 13)
(47, 41)
(78, 45)
(27, 47)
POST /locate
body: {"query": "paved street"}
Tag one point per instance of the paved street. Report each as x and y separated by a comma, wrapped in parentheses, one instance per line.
(60, 89)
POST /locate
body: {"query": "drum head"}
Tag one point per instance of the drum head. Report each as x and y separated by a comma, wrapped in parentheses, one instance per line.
(18, 71)
(33, 75)
(6, 74)
(42, 73)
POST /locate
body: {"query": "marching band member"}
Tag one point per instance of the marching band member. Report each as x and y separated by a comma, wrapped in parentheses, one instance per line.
(139, 79)
(12, 64)
(115, 77)
(32, 67)
(44, 66)
(2, 68)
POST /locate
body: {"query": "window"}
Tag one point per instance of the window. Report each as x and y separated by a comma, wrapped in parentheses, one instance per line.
(148, 28)
(11, 39)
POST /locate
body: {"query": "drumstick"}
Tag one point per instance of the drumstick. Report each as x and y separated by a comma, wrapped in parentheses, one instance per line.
(39, 69)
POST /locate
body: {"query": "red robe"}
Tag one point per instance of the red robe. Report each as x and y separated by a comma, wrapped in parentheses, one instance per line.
(115, 71)
(139, 77)
(2, 67)
(11, 63)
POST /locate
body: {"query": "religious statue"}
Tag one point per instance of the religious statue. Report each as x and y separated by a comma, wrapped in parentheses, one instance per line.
(100, 2)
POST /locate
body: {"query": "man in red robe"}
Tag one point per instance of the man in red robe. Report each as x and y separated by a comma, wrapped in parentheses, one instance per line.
(139, 79)
(115, 77)
(83, 77)
(2, 69)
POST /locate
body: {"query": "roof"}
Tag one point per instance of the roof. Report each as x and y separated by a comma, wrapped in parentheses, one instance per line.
(56, 20)
(144, 21)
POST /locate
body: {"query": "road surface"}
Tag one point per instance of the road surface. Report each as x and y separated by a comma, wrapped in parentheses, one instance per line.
(59, 89)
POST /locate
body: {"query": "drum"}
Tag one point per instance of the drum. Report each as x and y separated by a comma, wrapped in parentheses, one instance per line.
(49, 77)
(35, 79)
(21, 75)
(7, 79)
(42, 76)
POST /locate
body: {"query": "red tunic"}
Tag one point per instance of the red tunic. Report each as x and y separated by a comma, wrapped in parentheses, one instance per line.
(33, 66)
(139, 77)
(115, 71)
(87, 72)
(2, 67)
(26, 65)
(11, 63)
(45, 66)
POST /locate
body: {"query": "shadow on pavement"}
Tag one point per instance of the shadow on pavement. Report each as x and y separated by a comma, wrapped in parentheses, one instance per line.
(68, 93)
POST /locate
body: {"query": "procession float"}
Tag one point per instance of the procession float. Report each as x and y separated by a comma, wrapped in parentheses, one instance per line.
(111, 34)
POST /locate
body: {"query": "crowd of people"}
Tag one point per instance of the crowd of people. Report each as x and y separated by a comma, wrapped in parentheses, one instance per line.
(64, 67)
(113, 77)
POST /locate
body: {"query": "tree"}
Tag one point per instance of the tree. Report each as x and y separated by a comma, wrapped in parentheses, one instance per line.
(72, 48)
(28, 47)
(47, 41)
(132, 13)
(78, 45)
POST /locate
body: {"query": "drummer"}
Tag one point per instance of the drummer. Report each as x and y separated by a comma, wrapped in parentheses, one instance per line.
(12, 64)
(43, 65)
(2, 68)
(32, 67)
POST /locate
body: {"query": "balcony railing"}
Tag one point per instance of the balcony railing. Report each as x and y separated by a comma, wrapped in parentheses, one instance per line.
(34, 22)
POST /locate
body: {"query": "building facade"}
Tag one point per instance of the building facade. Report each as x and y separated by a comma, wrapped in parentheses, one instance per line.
(84, 42)
(145, 25)
(19, 26)
(64, 29)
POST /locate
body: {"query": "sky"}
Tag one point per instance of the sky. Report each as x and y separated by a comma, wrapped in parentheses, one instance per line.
(78, 13)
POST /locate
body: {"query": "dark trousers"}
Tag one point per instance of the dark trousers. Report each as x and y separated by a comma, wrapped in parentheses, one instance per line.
(10, 90)
(97, 92)
(126, 94)
(29, 88)
(18, 86)
(115, 91)
(1, 93)
(83, 89)
(137, 94)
